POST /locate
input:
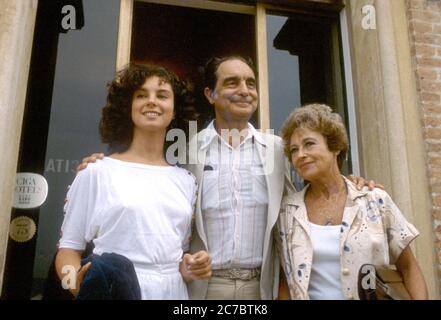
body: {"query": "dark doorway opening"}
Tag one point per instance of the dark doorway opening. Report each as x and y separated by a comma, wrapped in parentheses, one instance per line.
(183, 39)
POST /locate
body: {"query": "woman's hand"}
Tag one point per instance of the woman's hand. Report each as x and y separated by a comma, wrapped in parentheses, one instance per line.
(69, 270)
(81, 273)
(90, 159)
(195, 266)
(79, 277)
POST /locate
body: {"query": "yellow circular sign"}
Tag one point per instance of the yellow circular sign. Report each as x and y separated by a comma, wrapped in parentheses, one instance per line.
(22, 229)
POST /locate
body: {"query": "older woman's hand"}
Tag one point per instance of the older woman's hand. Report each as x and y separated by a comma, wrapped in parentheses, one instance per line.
(361, 182)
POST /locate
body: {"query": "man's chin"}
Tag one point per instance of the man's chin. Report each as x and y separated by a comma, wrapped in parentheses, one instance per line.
(242, 117)
(245, 112)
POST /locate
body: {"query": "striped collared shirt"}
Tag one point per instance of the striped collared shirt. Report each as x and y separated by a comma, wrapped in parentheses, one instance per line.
(234, 201)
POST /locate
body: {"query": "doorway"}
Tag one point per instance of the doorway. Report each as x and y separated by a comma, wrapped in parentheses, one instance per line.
(184, 38)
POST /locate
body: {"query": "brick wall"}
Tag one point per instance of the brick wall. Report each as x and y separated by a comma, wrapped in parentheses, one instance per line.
(425, 36)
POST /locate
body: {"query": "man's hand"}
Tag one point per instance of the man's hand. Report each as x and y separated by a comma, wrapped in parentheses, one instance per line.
(196, 266)
(360, 182)
(90, 159)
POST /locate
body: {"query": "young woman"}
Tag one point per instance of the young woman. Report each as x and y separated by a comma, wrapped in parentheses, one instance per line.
(133, 203)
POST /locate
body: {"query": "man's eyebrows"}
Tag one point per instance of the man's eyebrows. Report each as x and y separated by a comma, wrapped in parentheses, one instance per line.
(237, 78)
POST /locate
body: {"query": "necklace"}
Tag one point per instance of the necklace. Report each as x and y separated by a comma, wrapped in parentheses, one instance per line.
(326, 210)
(328, 221)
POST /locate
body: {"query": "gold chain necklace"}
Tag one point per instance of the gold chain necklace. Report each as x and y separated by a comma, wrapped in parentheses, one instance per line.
(326, 209)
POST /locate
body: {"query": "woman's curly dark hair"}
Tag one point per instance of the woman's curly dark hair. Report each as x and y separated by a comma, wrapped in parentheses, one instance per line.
(116, 125)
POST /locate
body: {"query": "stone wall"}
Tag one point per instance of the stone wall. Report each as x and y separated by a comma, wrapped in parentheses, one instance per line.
(17, 20)
(424, 18)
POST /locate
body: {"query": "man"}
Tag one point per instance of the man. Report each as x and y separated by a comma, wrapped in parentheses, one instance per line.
(240, 188)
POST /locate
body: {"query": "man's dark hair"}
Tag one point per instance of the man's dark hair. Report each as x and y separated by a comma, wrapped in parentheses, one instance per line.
(116, 125)
(210, 77)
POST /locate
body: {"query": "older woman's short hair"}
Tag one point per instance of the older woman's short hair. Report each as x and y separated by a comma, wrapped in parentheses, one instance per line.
(321, 119)
(116, 126)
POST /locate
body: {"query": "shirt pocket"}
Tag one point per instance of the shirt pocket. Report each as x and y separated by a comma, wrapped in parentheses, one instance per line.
(210, 190)
(259, 186)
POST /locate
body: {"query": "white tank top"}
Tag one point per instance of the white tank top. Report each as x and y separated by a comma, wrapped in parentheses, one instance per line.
(325, 283)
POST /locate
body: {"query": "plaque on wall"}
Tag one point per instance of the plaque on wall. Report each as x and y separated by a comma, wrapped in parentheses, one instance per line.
(30, 190)
(22, 229)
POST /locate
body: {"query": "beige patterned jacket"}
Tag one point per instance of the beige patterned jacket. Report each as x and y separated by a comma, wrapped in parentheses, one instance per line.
(373, 231)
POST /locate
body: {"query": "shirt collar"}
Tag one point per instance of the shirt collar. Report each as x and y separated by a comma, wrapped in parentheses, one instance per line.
(211, 133)
(299, 197)
(353, 193)
(256, 134)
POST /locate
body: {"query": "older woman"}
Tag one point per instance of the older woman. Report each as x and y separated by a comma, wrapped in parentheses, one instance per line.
(330, 229)
(134, 203)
